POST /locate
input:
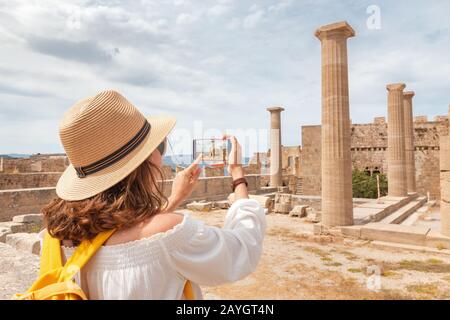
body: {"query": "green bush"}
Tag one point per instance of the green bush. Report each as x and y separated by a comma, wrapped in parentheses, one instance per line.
(365, 185)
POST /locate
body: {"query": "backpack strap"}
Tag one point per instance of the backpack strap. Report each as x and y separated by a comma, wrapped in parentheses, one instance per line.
(188, 291)
(66, 289)
(50, 254)
(51, 259)
(82, 254)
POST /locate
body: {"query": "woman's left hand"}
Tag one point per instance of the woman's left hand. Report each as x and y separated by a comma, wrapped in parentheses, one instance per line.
(183, 185)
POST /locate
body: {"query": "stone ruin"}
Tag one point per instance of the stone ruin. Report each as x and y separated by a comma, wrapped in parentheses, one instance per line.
(311, 183)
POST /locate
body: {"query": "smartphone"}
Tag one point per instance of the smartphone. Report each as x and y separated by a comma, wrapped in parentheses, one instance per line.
(212, 151)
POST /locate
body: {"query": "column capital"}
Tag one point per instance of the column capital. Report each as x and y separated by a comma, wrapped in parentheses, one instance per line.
(335, 30)
(395, 86)
(408, 94)
(275, 109)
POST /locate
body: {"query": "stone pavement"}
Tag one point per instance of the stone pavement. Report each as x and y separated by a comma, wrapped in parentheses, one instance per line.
(18, 270)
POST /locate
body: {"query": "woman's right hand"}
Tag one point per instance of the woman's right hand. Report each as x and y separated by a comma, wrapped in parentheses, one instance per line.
(235, 158)
(235, 168)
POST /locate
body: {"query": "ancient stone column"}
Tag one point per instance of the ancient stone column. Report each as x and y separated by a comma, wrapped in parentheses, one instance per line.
(275, 147)
(397, 185)
(445, 184)
(409, 142)
(337, 204)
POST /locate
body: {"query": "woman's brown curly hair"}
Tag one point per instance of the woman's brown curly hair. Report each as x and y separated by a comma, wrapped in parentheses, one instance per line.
(132, 200)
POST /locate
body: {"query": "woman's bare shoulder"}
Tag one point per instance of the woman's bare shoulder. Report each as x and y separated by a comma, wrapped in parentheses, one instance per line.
(159, 223)
(162, 222)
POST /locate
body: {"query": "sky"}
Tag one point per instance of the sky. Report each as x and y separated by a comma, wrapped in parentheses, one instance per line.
(216, 65)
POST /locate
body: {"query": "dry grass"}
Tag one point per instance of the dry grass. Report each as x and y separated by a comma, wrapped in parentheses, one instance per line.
(297, 265)
(349, 255)
(390, 274)
(317, 251)
(285, 233)
(333, 264)
(430, 265)
(424, 288)
(354, 270)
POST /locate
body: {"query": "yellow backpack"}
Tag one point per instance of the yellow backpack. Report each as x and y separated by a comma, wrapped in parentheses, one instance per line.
(56, 281)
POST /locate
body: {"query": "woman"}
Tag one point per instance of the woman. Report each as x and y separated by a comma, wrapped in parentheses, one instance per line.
(112, 183)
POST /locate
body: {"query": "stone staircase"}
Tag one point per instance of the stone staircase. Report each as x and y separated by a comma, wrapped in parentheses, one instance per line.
(299, 186)
(404, 212)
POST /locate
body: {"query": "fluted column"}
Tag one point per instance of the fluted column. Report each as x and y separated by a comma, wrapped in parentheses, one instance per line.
(409, 142)
(337, 202)
(445, 184)
(397, 185)
(276, 178)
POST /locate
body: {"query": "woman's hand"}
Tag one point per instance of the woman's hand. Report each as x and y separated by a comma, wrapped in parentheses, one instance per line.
(235, 158)
(183, 185)
(235, 167)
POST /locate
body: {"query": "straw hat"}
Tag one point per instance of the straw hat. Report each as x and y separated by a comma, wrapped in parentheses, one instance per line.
(105, 138)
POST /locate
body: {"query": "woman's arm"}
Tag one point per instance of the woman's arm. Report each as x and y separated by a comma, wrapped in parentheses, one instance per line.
(235, 168)
(212, 255)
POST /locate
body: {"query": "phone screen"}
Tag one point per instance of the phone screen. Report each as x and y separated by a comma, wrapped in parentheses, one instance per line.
(212, 151)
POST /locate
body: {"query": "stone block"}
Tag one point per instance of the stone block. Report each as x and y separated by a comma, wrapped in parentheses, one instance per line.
(282, 208)
(318, 229)
(15, 227)
(199, 206)
(299, 211)
(437, 240)
(284, 198)
(395, 233)
(313, 215)
(265, 201)
(351, 231)
(36, 218)
(3, 233)
(225, 204)
(283, 189)
(24, 241)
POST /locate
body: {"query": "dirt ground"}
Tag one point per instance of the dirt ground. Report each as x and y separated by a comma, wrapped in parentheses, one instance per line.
(298, 265)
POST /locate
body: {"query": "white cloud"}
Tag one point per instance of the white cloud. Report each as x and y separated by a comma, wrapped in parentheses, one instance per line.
(208, 69)
(233, 24)
(281, 5)
(219, 10)
(181, 2)
(253, 19)
(186, 18)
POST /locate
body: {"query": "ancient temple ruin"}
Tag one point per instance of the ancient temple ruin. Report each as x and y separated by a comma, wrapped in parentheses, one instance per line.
(311, 182)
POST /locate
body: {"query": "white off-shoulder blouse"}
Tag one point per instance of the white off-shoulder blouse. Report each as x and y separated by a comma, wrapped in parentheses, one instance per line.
(158, 267)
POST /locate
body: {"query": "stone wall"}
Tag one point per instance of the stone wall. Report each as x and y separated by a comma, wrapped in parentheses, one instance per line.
(28, 180)
(369, 152)
(291, 158)
(252, 169)
(288, 180)
(34, 164)
(311, 160)
(168, 172)
(24, 201)
(214, 171)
